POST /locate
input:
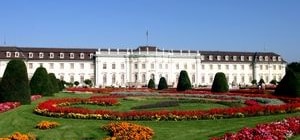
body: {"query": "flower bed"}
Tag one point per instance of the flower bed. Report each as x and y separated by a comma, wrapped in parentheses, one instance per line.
(35, 97)
(271, 131)
(20, 136)
(46, 125)
(8, 105)
(59, 108)
(128, 131)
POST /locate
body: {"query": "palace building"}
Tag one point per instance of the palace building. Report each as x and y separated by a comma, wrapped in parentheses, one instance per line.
(134, 67)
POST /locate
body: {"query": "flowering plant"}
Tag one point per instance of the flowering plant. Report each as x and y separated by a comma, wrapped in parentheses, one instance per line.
(280, 130)
(128, 131)
(20, 136)
(8, 105)
(46, 125)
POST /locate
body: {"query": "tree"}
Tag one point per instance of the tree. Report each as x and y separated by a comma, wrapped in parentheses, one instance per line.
(274, 82)
(220, 83)
(151, 84)
(76, 83)
(162, 83)
(88, 82)
(14, 86)
(295, 66)
(40, 82)
(261, 81)
(55, 86)
(61, 84)
(254, 82)
(184, 82)
(289, 85)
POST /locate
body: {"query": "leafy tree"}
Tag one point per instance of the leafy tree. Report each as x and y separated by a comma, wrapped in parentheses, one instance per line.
(14, 86)
(76, 83)
(88, 82)
(55, 86)
(295, 66)
(274, 82)
(151, 84)
(40, 82)
(162, 83)
(289, 85)
(261, 81)
(61, 84)
(220, 83)
(254, 82)
(184, 82)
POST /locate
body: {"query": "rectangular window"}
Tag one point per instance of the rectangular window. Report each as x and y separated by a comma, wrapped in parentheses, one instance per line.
(219, 67)
(81, 65)
(72, 55)
(17, 54)
(92, 66)
(242, 67)
(234, 67)
(274, 67)
(122, 66)
(51, 65)
(177, 66)
(203, 67)
(185, 66)
(160, 66)
(8, 54)
(193, 66)
(51, 55)
(136, 66)
(62, 65)
(81, 55)
(113, 66)
(227, 67)
(104, 66)
(152, 66)
(41, 55)
(144, 66)
(211, 66)
(71, 65)
(30, 55)
(166, 66)
(41, 64)
(30, 65)
(61, 55)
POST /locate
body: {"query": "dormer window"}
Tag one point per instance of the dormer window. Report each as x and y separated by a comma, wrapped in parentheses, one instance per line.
(91, 55)
(260, 58)
(17, 54)
(8, 54)
(51, 55)
(266, 58)
(242, 58)
(234, 58)
(61, 55)
(226, 57)
(250, 58)
(41, 55)
(202, 57)
(30, 55)
(218, 57)
(279, 58)
(210, 57)
(81, 55)
(274, 58)
(72, 55)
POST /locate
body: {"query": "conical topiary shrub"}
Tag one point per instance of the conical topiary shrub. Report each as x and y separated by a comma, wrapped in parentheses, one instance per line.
(151, 84)
(40, 83)
(14, 85)
(220, 83)
(55, 86)
(162, 83)
(289, 85)
(184, 82)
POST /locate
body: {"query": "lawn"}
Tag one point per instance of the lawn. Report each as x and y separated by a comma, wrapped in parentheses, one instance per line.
(23, 120)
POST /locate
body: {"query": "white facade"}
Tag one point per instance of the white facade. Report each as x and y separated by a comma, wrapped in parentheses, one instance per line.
(128, 67)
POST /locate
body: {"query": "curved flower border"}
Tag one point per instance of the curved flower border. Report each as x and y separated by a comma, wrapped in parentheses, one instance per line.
(58, 108)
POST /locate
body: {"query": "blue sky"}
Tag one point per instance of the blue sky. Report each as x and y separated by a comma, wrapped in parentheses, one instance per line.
(225, 25)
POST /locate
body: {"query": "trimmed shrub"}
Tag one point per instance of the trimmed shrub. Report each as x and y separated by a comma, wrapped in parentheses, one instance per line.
(88, 82)
(14, 86)
(61, 84)
(52, 78)
(184, 82)
(254, 82)
(151, 84)
(40, 83)
(261, 81)
(274, 82)
(162, 83)
(289, 85)
(76, 83)
(220, 83)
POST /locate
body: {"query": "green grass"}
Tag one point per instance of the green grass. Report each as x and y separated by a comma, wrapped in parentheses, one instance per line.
(126, 105)
(23, 120)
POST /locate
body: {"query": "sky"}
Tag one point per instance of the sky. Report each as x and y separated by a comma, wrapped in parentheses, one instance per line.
(216, 25)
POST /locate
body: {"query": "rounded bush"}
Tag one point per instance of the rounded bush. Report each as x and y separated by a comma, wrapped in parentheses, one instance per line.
(184, 82)
(40, 83)
(151, 84)
(14, 85)
(220, 83)
(162, 83)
